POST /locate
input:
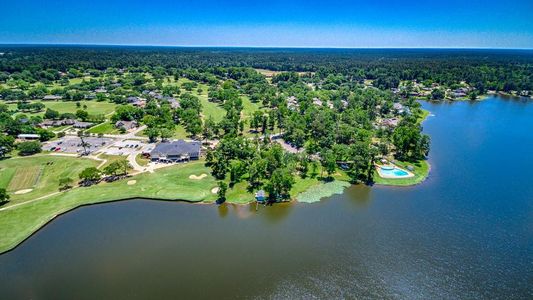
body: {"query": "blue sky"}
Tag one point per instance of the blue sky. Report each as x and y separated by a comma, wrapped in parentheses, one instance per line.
(332, 23)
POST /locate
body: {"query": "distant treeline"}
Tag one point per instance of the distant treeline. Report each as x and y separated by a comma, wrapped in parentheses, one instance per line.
(484, 69)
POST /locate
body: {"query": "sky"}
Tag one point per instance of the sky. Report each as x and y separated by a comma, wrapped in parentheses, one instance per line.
(271, 23)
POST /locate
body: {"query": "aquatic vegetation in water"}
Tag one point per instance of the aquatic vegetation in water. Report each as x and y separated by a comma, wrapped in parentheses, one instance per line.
(318, 192)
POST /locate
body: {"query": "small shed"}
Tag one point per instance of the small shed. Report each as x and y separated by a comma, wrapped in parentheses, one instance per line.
(260, 196)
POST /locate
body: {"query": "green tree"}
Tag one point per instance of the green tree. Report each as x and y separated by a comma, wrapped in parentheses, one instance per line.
(165, 134)
(437, 94)
(472, 95)
(112, 169)
(409, 142)
(51, 114)
(221, 193)
(209, 128)
(6, 144)
(329, 162)
(29, 148)
(4, 196)
(82, 114)
(152, 134)
(279, 185)
(90, 174)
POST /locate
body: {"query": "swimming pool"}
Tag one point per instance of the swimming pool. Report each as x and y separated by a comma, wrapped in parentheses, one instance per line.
(393, 172)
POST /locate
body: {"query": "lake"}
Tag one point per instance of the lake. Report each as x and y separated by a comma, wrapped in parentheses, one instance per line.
(466, 232)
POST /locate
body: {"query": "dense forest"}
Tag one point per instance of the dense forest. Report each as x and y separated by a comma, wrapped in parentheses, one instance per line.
(503, 70)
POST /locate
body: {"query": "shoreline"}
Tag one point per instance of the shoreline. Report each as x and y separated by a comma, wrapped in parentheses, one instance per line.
(17, 216)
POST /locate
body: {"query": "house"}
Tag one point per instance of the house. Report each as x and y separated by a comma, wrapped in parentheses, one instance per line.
(52, 98)
(292, 103)
(100, 90)
(176, 151)
(127, 125)
(317, 102)
(90, 96)
(67, 122)
(344, 103)
(174, 103)
(391, 122)
(48, 123)
(83, 125)
(56, 123)
(136, 101)
(28, 137)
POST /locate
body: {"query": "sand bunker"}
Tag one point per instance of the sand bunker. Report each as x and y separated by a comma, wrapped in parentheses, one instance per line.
(214, 190)
(132, 182)
(20, 192)
(198, 177)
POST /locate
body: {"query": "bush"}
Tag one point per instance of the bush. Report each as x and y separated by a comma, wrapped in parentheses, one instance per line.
(29, 148)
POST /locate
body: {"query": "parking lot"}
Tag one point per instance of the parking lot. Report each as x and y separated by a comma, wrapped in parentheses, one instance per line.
(125, 147)
(73, 144)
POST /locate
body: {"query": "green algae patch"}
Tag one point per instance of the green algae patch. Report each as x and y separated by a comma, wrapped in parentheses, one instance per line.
(315, 193)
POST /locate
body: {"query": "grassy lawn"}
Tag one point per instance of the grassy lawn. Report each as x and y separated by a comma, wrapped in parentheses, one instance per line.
(422, 117)
(141, 160)
(104, 128)
(179, 133)
(421, 171)
(110, 159)
(210, 109)
(24, 178)
(170, 183)
(93, 107)
(249, 107)
(41, 172)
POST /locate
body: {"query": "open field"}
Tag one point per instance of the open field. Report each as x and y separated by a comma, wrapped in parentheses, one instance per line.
(48, 168)
(110, 159)
(24, 178)
(93, 107)
(104, 128)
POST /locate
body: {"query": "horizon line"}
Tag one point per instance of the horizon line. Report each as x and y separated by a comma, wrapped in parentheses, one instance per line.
(257, 47)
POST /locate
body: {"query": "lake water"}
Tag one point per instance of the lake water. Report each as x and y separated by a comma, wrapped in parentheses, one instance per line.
(466, 232)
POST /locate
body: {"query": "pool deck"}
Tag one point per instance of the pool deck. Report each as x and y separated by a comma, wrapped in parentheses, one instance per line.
(381, 174)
